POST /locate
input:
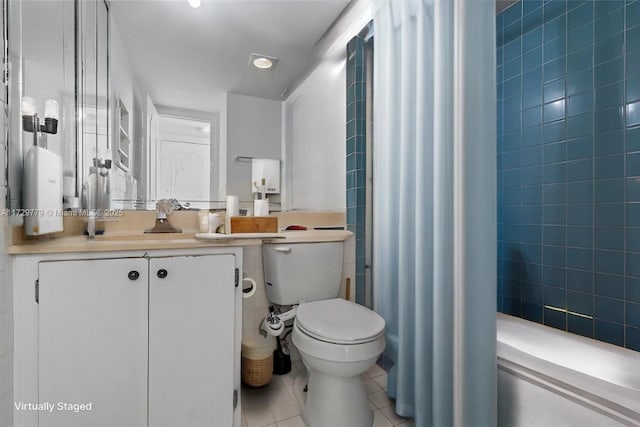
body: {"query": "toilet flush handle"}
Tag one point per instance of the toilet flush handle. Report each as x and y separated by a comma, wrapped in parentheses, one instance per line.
(283, 249)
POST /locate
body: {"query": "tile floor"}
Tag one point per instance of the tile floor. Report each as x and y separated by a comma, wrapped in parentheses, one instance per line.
(280, 403)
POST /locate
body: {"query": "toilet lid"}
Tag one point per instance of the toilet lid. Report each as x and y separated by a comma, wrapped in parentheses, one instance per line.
(339, 321)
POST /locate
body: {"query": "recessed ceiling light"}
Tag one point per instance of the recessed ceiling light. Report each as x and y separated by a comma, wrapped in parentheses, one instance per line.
(262, 62)
(194, 3)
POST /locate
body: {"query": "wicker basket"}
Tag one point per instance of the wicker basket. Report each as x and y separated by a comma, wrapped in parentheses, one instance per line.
(257, 373)
(257, 359)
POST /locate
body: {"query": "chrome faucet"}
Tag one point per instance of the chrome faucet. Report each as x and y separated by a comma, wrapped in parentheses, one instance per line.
(177, 206)
(164, 208)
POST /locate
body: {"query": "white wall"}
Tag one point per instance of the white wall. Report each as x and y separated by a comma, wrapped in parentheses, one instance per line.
(315, 126)
(122, 78)
(6, 292)
(315, 139)
(47, 66)
(254, 129)
(6, 321)
(125, 86)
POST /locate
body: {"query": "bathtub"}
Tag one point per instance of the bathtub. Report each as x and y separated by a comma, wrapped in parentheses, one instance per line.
(547, 377)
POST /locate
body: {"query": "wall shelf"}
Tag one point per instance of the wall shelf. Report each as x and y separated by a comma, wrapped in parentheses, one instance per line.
(123, 152)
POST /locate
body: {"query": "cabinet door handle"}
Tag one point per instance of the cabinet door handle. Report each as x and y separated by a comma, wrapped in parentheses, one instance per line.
(283, 249)
(133, 275)
(162, 273)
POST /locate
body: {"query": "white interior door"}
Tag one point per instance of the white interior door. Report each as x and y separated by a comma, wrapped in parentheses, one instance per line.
(191, 341)
(183, 171)
(93, 319)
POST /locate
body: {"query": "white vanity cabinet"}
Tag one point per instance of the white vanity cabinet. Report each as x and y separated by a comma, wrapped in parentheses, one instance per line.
(141, 339)
(92, 340)
(191, 352)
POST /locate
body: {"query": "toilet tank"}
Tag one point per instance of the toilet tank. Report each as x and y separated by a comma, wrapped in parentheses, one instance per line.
(299, 272)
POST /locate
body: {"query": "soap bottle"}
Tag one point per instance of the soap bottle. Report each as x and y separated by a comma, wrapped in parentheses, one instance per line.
(104, 185)
(92, 186)
(261, 203)
(203, 221)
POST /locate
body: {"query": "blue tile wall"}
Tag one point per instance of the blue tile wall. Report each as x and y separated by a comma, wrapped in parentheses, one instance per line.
(356, 155)
(568, 82)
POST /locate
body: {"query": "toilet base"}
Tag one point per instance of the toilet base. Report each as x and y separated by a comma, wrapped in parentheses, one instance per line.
(336, 402)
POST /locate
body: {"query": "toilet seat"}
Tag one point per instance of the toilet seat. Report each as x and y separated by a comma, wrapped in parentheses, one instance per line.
(310, 346)
(338, 321)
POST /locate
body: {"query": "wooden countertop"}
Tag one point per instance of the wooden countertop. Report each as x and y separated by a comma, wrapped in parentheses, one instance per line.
(131, 242)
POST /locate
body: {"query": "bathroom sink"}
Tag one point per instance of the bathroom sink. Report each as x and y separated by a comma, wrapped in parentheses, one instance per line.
(234, 236)
(149, 237)
(143, 236)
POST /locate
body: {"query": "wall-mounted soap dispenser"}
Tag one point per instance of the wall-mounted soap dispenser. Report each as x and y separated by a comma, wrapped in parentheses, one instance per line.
(42, 172)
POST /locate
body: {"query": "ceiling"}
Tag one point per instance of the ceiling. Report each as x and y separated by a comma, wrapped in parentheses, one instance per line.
(185, 56)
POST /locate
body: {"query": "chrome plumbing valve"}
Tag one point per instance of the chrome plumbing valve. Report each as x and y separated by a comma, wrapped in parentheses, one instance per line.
(272, 325)
(273, 320)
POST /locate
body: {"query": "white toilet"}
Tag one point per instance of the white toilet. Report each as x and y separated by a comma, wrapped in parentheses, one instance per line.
(338, 340)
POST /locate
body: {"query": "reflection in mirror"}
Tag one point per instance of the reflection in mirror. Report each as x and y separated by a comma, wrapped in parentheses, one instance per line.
(182, 67)
(43, 58)
(181, 161)
(176, 159)
(160, 151)
(138, 91)
(95, 148)
(59, 51)
(183, 156)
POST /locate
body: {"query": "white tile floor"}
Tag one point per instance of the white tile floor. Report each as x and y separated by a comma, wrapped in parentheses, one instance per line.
(280, 403)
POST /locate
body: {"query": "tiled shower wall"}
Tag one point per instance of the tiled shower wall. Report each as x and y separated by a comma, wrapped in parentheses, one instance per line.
(356, 156)
(569, 166)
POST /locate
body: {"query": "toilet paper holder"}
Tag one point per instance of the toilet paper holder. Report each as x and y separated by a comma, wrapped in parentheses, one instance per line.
(249, 292)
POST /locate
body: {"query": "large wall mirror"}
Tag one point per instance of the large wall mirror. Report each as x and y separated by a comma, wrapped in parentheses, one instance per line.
(42, 66)
(160, 96)
(59, 51)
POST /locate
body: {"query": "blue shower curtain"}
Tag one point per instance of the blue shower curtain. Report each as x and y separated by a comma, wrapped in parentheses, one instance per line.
(434, 266)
